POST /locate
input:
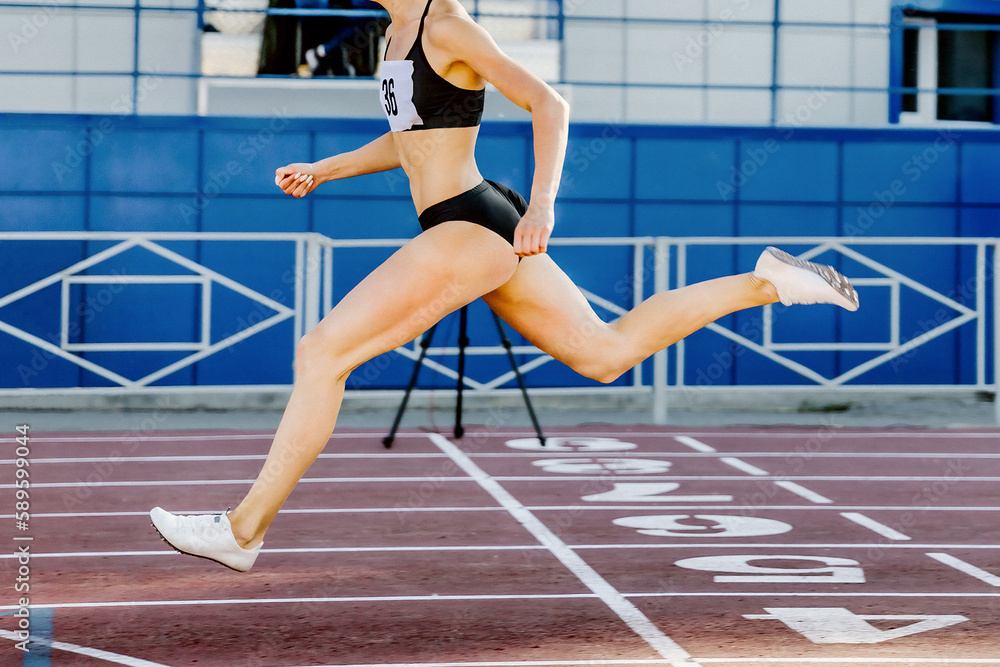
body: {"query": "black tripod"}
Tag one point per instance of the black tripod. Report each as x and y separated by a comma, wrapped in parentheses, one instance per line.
(463, 342)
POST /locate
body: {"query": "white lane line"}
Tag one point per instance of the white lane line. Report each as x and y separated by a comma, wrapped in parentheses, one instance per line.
(608, 594)
(125, 458)
(690, 435)
(789, 433)
(651, 506)
(199, 437)
(302, 550)
(487, 598)
(224, 482)
(348, 599)
(849, 661)
(696, 445)
(971, 570)
(516, 478)
(107, 656)
(743, 466)
(873, 525)
(764, 661)
(227, 457)
(332, 510)
(802, 491)
(526, 663)
(526, 547)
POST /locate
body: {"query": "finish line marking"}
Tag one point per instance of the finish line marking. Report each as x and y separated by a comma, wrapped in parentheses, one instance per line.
(971, 570)
(624, 609)
(875, 526)
(696, 445)
(803, 492)
(743, 466)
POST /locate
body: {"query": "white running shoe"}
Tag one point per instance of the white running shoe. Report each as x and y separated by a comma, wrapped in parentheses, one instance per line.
(205, 535)
(802, 282)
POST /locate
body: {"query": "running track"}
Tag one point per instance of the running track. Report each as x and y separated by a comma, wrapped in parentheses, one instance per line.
(643, 546)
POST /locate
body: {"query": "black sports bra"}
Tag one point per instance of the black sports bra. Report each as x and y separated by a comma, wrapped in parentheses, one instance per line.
(415, 97)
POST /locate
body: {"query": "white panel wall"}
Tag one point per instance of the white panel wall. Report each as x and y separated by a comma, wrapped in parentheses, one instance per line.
(105, 41)
(100, 46)
(102, 94)
(594, 51)
(816, 11)
(714, 65)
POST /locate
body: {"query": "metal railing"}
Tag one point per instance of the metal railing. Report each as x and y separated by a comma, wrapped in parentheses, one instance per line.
(661, 263)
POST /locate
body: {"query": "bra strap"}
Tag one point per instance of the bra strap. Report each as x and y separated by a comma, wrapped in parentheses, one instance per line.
(423, 18)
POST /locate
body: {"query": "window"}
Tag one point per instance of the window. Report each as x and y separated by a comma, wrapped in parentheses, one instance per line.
(953, 58)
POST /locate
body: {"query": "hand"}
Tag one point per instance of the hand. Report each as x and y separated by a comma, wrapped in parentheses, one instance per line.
(531, 237)
(296, 180)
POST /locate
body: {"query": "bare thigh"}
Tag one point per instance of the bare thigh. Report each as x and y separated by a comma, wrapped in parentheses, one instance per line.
(542, 303)
(436, 273)
(546, 307)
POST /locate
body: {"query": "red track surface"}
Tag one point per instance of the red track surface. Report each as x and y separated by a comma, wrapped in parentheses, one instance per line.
(411, 557)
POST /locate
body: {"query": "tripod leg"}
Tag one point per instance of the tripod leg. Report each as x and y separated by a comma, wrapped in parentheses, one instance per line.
(463, 342)
(424, 345)
(520, 379)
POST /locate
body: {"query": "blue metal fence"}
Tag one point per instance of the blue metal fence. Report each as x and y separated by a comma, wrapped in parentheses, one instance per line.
(129, 174)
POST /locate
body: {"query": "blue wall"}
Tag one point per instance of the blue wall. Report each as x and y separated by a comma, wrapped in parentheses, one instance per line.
(78, 173)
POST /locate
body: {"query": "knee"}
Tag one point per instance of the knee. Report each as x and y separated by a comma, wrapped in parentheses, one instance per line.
(605, 370)
(318, 352)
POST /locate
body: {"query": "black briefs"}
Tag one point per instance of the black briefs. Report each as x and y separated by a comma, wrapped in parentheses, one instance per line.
(491, 205)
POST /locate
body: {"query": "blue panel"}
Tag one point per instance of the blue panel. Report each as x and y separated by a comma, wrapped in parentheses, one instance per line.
(505, 160)
(45, 159)
(266, 267)
(23, 365)
(253, 214)
(584, 220)
(378, 185)
(245, 162)
(980, 221)
(683, 220)
(49, 213)
(980, 173)
(136, 313)
(129, 214)
(265, 358)
(887, 172)
(685, 169)
(597, 168)
(366, 218)
(137, 365)
(146, 161)
(899, 220)
(774, 170)
(764, 220)
(606, 272)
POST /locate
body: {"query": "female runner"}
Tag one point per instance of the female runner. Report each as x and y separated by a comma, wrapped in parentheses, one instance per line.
(479, 239)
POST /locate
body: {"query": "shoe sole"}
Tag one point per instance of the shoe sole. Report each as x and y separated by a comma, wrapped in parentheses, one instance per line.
(832, 276)
(188, 553)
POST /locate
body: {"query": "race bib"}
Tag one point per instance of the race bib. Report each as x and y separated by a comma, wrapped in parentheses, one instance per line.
(397, 95)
